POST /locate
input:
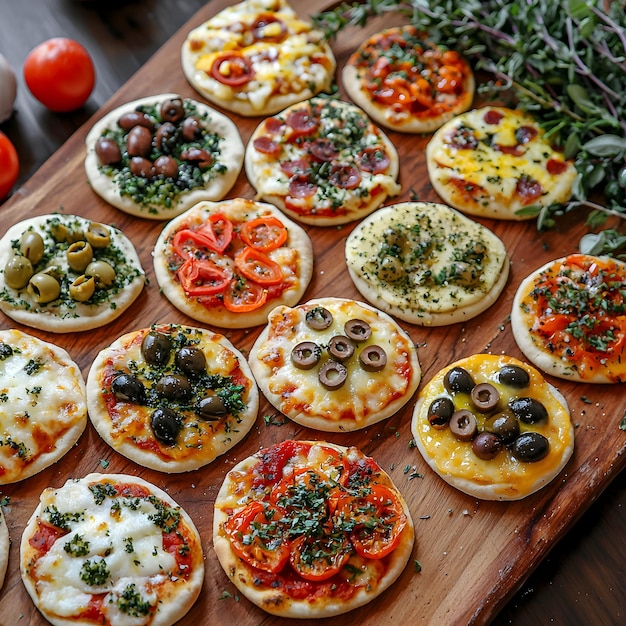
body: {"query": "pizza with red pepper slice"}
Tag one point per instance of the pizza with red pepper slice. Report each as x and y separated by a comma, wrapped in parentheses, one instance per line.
(112, 550)
(310, 529)
(229, 263)
(494, 161)
(407, 83)
(322, 162)
(569, 318)
(257, 57)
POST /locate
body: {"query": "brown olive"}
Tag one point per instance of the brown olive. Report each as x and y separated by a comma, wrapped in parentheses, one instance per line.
(192, 129)
(458, 380)
(333, 374)
(98, 236)
(340, 348)
(318, 318)
(306, 355)
(530, 447)
(463, 425)
(174, 387)
(357, 330)
(107, 151)
(166, 137)
(139, 142)
(166, 166)
(79, 255)
(440, 411)
(211, 408)
(166, 424)
(135, 118)
(506, 426)
(373, 359)
(486, 445)
(485, 397)
(18, 271)
(142, 167)
(201, 157)
(528, 410)
(156, 348)
(32, 246)
(172, 110)
(128, 388)
(513, 376)
(190, 360)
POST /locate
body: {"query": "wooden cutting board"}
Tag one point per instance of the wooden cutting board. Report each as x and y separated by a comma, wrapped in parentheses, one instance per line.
(473, 554)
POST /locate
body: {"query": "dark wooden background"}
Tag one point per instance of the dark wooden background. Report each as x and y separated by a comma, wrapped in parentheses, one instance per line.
(583, 579)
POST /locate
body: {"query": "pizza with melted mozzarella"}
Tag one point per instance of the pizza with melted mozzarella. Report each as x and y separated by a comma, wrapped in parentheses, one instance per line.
(4, 547)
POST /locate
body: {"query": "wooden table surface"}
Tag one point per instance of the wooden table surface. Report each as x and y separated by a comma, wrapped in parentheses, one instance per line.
(579, 579)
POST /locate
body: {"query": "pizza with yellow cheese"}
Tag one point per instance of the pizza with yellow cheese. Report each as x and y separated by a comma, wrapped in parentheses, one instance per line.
(407, 83)
(569, 318)
(426, 263)
(493, 427)
(322, 162)
(494, 162)
(111, 550)
(171, 397)
(335, 364)
(310, 529)
(257, 57)
(4, 547)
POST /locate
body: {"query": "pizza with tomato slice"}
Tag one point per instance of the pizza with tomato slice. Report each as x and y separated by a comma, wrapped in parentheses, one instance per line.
(322, 162)
(569, 318)
(257, 57)
(494, 162)
(407, 83)
(229, 263)
(310, 529)
(113, 550)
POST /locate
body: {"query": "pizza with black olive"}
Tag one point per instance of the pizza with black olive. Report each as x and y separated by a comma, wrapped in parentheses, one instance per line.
(335, 364)
(157, 156)
(171, 397)
(569, 318)
(309, 529)
(64, 273)
(230, 263)
(426, 263)
(407, 83)
(257, 57)
(322, 162)
(494, 162)
(113, 550)
(493, 427)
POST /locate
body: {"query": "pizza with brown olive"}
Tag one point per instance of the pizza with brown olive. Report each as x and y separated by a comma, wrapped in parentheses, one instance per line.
(493, 427)
(171, 397)
(64, 273)
(335, 364)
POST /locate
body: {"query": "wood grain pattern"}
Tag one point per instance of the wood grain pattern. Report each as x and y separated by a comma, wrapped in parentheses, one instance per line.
(473, 554)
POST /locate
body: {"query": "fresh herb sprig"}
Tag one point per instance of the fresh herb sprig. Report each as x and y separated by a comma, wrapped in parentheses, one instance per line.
(565, 63)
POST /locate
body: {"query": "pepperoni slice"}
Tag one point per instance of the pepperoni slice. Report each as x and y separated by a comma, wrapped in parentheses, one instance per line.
(297, 166)
(528, 189)
(373, 160)
(515, 150)
(462, 138)
(345, 176)
(266, 145)
(555, 167)
(274, 125)
(493, 117)
(269, 28)
(323, 149)
(302, 121)
(233, 69)
(300, 186)
(524, 134)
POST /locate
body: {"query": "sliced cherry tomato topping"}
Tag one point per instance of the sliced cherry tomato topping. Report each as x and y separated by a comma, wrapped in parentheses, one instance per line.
(264, 233)
(319, 558)
(232, 69)
(201, 277)
(266, 145)
(291, 491)
(214, 235)
(258, 267)
(373, 160)
(242, 296)
(345, 176)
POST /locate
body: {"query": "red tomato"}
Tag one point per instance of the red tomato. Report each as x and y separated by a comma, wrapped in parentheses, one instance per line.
(319, 558)
(9, 166)
(243, 296)
(264, 233)
(201, 277)
(60, 73)
(258, 267)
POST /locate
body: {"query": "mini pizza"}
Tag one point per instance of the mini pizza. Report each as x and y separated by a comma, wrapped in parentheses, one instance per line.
(111, 549)
(335, 364)
(426, 263)
(407, 83)
(494, 162)
(43, 406)
(157, 156)
(64, 273)
(171, 397)
(492, 427)
(256, 58)
(4, 547)
(322, 162)
(309, 529)
(569, 318)
(230, 263)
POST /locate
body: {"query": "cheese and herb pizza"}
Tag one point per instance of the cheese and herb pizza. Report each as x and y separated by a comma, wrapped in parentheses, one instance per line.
(43, 406)
(406, 82)
(230, 263)
(4, 547)
(64, 273)
(426, 263)
(309, 529)
(113, 550)
(322, 162)
(335, 364)
(157, 156)
(494, 162)
(171, 397)
(493, 427)
(257, 57)
(569, 318)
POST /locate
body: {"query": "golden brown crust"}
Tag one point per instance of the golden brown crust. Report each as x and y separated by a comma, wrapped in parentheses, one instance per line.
(4, 547)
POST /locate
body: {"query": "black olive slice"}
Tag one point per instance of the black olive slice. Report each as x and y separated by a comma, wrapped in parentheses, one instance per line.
(156, 348)
(166, 424)
(174, 387)
(528, 410)
(128, 388)
(439, 412)
(318, 318)
(191, 360)
(485, 397)
(506, 426)
(458, 380)
(333, 374)
(340, 348)
(306, 355)
(373, 358)
(463, 425)
(530, 447)
(211, 408)
(514, 376)
(357, 330)
(486, 445)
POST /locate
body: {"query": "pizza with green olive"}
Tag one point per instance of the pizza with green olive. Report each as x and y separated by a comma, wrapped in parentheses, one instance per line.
(64, 273)
(310, 529)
